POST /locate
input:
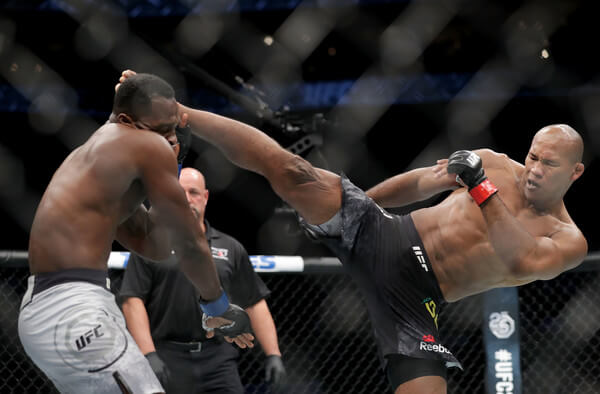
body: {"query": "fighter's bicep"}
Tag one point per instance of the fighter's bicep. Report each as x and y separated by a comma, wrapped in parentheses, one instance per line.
(555, 254)
(571, 245)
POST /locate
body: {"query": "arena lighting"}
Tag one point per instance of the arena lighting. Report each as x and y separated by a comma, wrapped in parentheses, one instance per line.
(268, 40)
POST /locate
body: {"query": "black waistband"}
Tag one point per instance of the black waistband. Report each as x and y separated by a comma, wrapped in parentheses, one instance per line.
(46, 280)
(189, 346)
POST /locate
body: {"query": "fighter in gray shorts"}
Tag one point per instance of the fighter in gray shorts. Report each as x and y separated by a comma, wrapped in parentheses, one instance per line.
(96, 197)
(73, 330)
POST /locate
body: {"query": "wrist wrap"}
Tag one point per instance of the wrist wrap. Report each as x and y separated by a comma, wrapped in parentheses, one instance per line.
(216, 307)
(483, 191)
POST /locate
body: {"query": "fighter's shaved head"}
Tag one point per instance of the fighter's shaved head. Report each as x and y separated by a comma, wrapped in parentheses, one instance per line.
(566, 136)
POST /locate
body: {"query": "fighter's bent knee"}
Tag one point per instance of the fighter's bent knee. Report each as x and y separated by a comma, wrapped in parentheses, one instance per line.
(294, 171)
(301, 171)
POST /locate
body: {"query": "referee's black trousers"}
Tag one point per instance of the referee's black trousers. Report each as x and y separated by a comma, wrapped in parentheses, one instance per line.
(212, 369)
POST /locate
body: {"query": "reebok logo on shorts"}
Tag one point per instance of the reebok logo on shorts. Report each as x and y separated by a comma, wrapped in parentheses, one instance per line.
(419, 253)
(428, 338)
(428, 345)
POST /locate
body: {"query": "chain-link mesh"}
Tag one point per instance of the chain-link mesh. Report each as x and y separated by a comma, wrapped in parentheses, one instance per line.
(19, 374)
(560, 335)
(328, 347)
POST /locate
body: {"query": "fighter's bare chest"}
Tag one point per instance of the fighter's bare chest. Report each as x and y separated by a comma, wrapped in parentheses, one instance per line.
(535, 223)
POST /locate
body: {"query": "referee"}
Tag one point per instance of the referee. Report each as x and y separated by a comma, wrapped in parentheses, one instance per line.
(162, 313)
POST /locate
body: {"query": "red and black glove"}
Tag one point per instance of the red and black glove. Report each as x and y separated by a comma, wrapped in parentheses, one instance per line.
(468, 168)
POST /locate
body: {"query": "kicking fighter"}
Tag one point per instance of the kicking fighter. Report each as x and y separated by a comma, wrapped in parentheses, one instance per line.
(507, 226)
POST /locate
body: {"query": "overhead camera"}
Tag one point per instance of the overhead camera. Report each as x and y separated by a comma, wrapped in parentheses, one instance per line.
(305, 130)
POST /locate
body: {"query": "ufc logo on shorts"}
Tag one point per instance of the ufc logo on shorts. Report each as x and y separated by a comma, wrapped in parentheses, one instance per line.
(86, 338)
(419, 253)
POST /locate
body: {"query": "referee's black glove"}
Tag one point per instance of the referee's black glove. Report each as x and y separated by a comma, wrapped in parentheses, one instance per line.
(275, 371)
(160, 368)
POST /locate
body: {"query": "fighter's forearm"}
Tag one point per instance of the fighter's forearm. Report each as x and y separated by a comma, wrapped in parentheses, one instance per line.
(195, 261)
(158, 238)
(141, 234)
(409, 187)
(264, 327)
(244, 145)
(511, 241)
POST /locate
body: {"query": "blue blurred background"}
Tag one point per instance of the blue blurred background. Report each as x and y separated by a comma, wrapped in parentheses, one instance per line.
(370, 88)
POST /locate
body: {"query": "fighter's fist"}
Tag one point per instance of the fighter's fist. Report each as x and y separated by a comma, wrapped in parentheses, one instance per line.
(227, 319)
(233, 322)
(124, 75)
(468, 168)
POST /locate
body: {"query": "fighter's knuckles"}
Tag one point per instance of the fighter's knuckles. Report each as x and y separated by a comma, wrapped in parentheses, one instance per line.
(217, 322)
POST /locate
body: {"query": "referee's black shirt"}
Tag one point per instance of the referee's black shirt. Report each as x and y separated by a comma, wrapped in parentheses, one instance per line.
(171, 299)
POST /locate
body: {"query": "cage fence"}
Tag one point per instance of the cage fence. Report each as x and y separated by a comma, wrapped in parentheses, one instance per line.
(327, 344)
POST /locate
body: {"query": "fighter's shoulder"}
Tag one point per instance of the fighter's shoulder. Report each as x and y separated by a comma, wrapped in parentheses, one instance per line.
(137, 142)
(567, 224)
(571, 238)
(493, 159)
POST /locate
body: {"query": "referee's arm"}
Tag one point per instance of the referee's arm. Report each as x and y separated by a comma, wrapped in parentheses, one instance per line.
(264, 327)
(138, 323)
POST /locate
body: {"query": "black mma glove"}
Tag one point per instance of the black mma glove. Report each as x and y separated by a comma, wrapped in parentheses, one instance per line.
(469, 170)
(184, 137)
(274, 371)
(160, 368)
(240, 321)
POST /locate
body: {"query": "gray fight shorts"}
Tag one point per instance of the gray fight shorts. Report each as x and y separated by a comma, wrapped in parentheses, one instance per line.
(75, 333)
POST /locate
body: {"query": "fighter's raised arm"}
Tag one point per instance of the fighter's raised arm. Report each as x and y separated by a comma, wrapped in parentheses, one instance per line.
(139, 232)
(421, 183)
(172, 211)
(413, 186)
(526, 256)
